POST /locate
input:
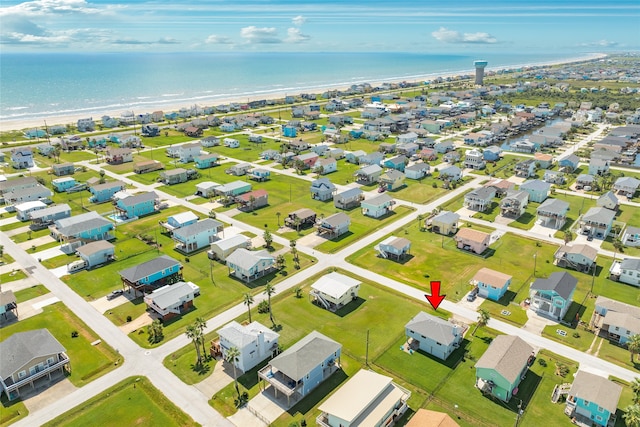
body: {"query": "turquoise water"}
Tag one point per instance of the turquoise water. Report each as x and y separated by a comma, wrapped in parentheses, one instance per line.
(42, 85)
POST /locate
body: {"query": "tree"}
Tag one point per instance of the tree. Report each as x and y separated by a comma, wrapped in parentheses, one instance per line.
(298, 292)
(201, 324)
(56, 152)
(268, 291)
(252, 202)
(631, 415)
(568, 236)
(617, 245)
(296, 223)
(634, 345)
(194, 334)
(1, 251)
(294, 250)
(232, 356)
(248, 300)
(280, 261)
(155, 331)
(268, 238)
(483, 319)
(102, 173)
(635, 387)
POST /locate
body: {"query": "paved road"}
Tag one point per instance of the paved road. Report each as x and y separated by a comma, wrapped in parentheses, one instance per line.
(140, 361)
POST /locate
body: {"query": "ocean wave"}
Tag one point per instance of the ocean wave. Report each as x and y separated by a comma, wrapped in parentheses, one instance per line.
(17, 108)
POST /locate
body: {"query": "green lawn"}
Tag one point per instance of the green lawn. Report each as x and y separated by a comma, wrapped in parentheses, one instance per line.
(134, 401)
(11, 411)
(30, 293)
(88, 361)
(581, 342)
(12, 276)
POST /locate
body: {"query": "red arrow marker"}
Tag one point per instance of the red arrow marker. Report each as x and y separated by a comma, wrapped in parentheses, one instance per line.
(435, 298)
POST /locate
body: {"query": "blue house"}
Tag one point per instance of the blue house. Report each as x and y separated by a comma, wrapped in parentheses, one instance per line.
(538, 190)
(81, 228)
(371, 159)
(62, 169)
(196, 236)
(206, 161)
(397, 163)
(22, 158)
(303, 366)
(103, 192)
(322, 189)
(289, 131)
(96, 253)
(61, 184)
(259, 174)
(569, 163)
(592, 399)
(179, 220)
(356, 133)
(433, 335)
(354, 156)
(377, 206)
(552, 296)
(492, 153)
(138, 205)
(46, 216)
(491, 284)
(393, 247)
(234, 188)
(152, 274)
(35, 133)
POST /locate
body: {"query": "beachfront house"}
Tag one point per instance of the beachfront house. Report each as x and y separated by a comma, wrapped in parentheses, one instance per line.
(96, 253)
(334, 225)
(433, 335)
(597, 222)
(472, 240)
(378, 206)
(334, 290)
(492, 153)
(620, 321)
(552, 213)
(578, 257)
(444, 222)
(44, 217)
(206, 161)
(153, 274)
(101, 193)
(543, 160)
(503, 366)
(255, 343)
(514, 204)
(367, 399)
(28, 357)
(538, 190)
(479, 199)
(322, 189)
(222, 248)
(348, 199)
(23, 210)
(474, 159)
(174, 300)
(491, 284)
(196, 236)
(62, 169)
(592, 399)
(553, 177)
(22, 158)
(249, 265)
(368, 174)
(302, 367)
(138, 205)
(80, 229)
(552, 296)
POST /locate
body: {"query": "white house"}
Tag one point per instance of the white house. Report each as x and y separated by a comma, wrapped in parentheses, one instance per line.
(254, 341)
(433, 335)
(334, 290)
(172, 300)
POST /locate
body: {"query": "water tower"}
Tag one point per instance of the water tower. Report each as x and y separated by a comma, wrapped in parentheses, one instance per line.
(479, 71)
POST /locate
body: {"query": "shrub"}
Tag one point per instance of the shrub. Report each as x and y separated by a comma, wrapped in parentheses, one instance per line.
(576, 335)
(263, 307)
(129, 319)
(74, 334)
(542, 362)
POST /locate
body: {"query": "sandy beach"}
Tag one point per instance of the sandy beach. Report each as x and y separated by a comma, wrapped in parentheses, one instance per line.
(23, 124)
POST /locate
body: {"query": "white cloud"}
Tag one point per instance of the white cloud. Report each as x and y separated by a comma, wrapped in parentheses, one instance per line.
(216, 39)
(253, 34)
(446, 35)
(294, 35)
(47, 7)
(299, 20)
(601, 43)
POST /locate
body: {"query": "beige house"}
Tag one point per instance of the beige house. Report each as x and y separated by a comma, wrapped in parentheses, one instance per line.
(472, 240)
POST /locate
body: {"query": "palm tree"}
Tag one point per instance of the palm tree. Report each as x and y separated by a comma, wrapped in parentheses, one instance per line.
(248, 300)
(631, 415)
(568, 236)
(268, 291)
(155, 331)
(232, 356)
(201, 324)
(194, 334)
(483, 319)
(635, 387)
(268, 238)
(634, 345)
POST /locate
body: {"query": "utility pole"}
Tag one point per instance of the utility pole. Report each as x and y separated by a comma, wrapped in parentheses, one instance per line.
(366, 357)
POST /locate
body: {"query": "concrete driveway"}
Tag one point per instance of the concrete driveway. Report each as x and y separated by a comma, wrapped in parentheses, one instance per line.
(536, 323)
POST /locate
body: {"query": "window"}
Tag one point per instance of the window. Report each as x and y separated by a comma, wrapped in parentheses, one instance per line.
(600, 409)
(22, 374)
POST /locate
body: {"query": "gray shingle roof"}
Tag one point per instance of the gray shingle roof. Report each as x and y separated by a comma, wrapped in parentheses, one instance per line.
(596, 389)
(561, 282)
(433, 327)
(197, 228)
(553, 206)
(630, 264)
(347, 194)
(50, 211)
(246, 259)
(139, 198)
(298, 360)
(507, 355)
(21, 347)
(535, 185)
(337, 219)
(94, 247)
(599, 215)
(240, 336)
(79, 223)
(379, 200)
(145, 269)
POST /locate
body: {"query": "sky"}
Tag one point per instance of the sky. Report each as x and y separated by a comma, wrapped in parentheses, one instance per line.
(422, 26)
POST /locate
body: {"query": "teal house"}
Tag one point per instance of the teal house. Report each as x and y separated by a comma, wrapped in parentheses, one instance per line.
(593, 399)
(503, 366)
(152, 274)
(491, 284)
(206, 161)
(135, 206)
(61, 184)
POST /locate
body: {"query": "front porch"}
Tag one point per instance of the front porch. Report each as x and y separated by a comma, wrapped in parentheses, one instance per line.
(12, 389)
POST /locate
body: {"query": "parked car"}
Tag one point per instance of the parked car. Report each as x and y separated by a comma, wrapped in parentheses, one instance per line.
(115, 294)
(473, 294)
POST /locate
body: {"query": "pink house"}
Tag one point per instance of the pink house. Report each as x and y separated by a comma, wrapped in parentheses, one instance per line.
(472, 240)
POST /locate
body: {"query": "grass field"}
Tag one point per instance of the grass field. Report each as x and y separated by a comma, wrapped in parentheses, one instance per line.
(134, 401)
(30, 293)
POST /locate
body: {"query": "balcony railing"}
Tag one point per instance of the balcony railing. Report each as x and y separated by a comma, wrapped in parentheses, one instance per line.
(47, 369)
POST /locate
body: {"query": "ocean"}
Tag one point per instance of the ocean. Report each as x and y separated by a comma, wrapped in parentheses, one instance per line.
(34, 86)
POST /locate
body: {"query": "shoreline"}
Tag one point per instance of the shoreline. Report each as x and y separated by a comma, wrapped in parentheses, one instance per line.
(62, 119)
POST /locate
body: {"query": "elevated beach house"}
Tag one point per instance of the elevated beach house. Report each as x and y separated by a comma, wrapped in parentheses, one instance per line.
(391, 180)
(578, 257)
(45, 217)
(472, 240)
(552, 296)
(179, 220)
(249, 265)
(377, 206)
(322, 189)
(366, 399)
(597, 222)
(196, 236)
(491, 284)
(117, 156)
(334, 290)
(174, 176)
(28, 357)
(396, 248)
(479, 199)
(538, 190)
(62, 169)
(301, 218)
(302, 367)
(618, 320)
(37, 192)
(433, 335)
(101, 193)
(514, 204)
(152, 274)
(22, 158)
(348, 199)
(206, 161)
(255, 343)
(626, 271)
(24, 210)
(222, 248)
(503, 366)
(334, 225)
(444, 222)
(232, 189)
(417, 170)
(552, 213)
(137, 205)
(64, 184)
(170, 301)
(74, 231)
(96, 253)
(368, 174)
(592, 399)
